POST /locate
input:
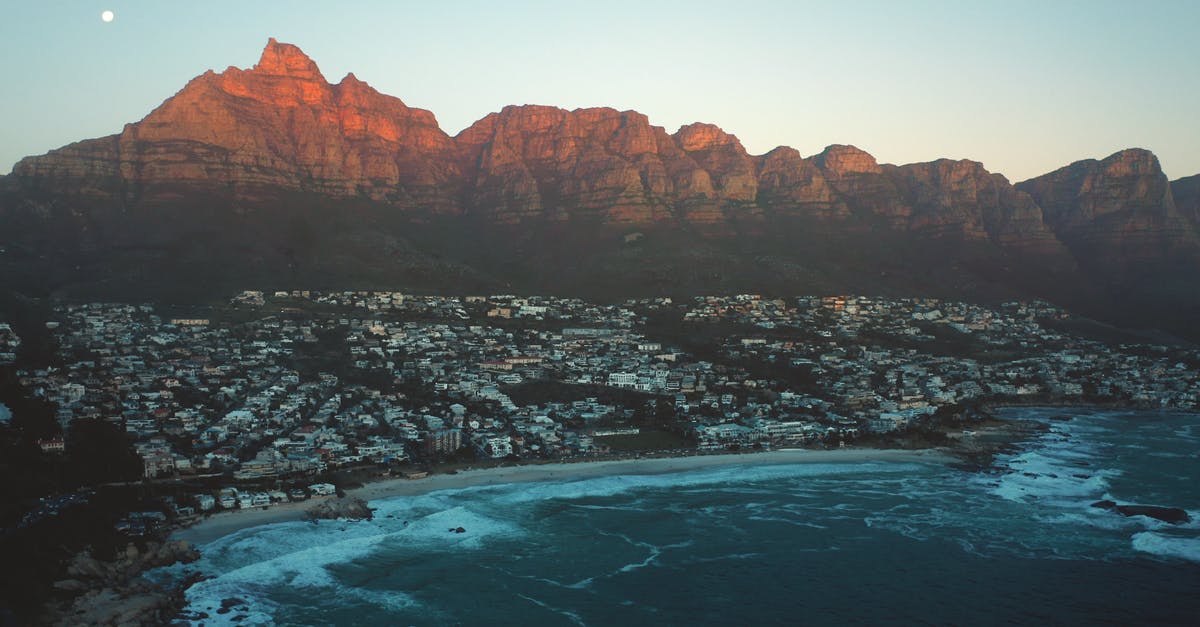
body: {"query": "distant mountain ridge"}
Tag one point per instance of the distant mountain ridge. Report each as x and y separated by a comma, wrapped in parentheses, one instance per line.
(282, 171)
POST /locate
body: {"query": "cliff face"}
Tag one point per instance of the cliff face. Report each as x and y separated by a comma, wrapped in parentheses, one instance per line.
(1187, 198)
(962, 197)
(1116, 211)
(944, 198)
(276, 161)
(535, 162)
(791, 186)
(601, 165)
(244, 134)
(862, 184)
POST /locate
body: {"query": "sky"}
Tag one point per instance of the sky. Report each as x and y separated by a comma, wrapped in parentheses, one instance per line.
(1024, 87)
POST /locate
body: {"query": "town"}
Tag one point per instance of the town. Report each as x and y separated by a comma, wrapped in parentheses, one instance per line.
(10, 342)
(275, 389)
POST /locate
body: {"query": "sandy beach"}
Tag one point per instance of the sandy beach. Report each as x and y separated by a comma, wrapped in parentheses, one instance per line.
(225, 523)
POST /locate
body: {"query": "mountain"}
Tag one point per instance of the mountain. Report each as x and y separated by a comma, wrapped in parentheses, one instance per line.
(1187, 197)
(273, 175)
(1115, 212)
(242, 135)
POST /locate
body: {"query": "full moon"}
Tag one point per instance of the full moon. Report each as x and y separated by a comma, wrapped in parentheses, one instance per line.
(107, 16)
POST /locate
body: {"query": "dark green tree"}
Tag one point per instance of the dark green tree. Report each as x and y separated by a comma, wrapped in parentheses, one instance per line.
(100, 452)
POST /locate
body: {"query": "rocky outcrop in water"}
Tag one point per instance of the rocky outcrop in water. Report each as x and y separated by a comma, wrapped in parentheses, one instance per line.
(1173, 515)
(351, 508)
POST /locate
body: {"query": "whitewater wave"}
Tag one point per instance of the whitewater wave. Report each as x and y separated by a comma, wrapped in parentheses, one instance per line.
(295, 567)
(740, 476)
(565, 549)
(1164, 545)
(249, 564)
(1065, 467)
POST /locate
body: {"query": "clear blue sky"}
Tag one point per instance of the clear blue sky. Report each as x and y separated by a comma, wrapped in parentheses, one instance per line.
(1023, 86)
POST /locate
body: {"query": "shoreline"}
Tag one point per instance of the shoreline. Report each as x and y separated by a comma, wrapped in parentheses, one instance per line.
(227, 523)
(995, 435)
(1092, 405)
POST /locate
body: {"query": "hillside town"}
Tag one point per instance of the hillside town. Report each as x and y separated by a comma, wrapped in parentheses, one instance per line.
(277, 388)
(10, 343)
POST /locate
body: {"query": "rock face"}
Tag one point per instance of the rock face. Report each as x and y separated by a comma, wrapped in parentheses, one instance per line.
(1187, 198)
(284, 173)
(114, 593)
(942, 198)
(352, 508)
(790, 185)
(601, 166)
(132, 562)
(244, 136)
(1115, 212)
(543, 163)
(241, 135)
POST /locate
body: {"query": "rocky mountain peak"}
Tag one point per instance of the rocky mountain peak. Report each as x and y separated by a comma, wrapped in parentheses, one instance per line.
(701, 136)
(839, 160)
(352, 92)
(1131, 162)
(280, 59)
(1187, 197)
(1115, 211)
(278, 139)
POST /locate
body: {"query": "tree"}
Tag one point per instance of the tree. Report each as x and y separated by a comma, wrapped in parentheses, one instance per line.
(664, 412)
(99, 452)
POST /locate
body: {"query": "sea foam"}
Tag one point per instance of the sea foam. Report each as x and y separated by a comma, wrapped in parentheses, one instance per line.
(1167, 546)
(250, 563)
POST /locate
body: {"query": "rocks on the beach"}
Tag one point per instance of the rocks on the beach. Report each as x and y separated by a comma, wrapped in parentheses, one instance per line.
(113, 593)
(231, 604)
(351, 508)
(70, 585)
(138, 608)
(1173, 515)
(84, 566)
(992, 439)
(130, 562)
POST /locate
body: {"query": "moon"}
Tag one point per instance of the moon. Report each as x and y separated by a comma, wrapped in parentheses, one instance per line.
(107, 16)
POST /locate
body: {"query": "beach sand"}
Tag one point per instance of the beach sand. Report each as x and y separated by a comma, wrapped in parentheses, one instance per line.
(225, 523)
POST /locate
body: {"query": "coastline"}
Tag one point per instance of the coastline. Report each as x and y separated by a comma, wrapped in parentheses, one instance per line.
(995, 408)
(225, 523)
(995, 435)
(1098, 405)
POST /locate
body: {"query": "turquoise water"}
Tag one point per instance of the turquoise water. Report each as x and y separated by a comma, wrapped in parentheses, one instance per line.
(895, 542)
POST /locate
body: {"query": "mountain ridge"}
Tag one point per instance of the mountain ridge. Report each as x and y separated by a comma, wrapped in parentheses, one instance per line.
(276, 160)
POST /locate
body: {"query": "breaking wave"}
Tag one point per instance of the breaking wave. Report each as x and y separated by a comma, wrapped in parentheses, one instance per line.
(576, 550)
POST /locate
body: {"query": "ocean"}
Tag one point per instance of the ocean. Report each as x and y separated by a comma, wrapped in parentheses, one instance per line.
(896, 542)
